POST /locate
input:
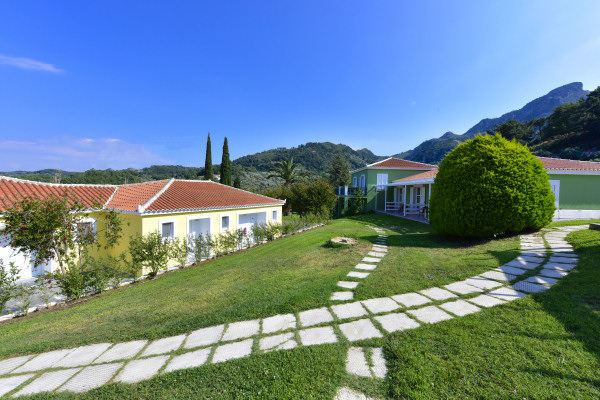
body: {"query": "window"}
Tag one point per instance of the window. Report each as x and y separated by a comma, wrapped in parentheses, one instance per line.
(382, 179)
(418, 194)
(354, 181)
(167, 230)
(274, 215)
(85, 229)
(225, 223)
(363, 184)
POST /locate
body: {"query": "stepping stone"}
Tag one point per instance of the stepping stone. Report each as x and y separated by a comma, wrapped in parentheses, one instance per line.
(564, 256)
(522, 265)
(278, 323)
(482, 283)
(463, 288)
(347, 285)
(314, 336)
(356, 362)
(511, 270)
(314, 317)
(360, 330)
(380, 247)
(562, 267)
(83, 355)
(91, 377)
(188, 360)
(371, 260)
(13, 382)
(47, 382)
(139, 370)
(204, 337)
(346, 393)
(356, 274)
(553, 273)
(162, 346)
(376, 254)
(381, 305)
(8, 365)
(430, 315)
(367, 267)
(284, 341)
(232, 351)
(541, 280)
(244, 329)
(529, 287)
(379, 367)
(460, 308)
(122, 351)
(396, 322)
(563, 260)
(506, 293)
(486, 301)
(350, 310)
(533, 254)
(437, 293)
(411, 299)
(563, 250)
(341, 296)
(498, 276)
(43, 361)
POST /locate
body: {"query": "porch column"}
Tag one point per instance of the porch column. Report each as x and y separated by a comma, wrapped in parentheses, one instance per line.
(429, 194)
(404, 199)
(385, 198)
(376, 193)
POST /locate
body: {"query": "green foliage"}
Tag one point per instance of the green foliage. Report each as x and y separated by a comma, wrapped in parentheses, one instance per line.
(237, 182)
(201, 247)
(179, 251)
(225, 177)
(285, 170)
(23, 296)
(74, 281)
(522, 132)
(356, 204)
(208, 167)
(9, 274)
(489, 186)
(339, 171)
(313, 196)
(151, 252)
(281, 193)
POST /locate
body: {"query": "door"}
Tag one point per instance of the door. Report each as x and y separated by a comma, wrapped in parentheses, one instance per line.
(555, 187)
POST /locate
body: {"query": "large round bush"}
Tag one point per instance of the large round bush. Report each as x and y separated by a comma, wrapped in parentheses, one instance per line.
(489, 186)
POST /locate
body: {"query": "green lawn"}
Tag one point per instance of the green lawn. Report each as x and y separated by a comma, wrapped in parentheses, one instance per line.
(543, 346)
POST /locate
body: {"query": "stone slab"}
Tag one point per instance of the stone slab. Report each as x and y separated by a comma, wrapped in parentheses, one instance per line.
(411, 299)
(507, 269)
(315, 317)
(498, 276)
(284, 341)
(356, 274)
(360, 330)
(437, 293)
(381, 305)
(529, 287)
(165, 345)
(563, 250)
(356, 362)
(430, 314)
(91, 377)
(232, 351)
(486, 301)
(345, 393)
(204, 337)
(506, 293)
(43, 361)
(11, 383)
(122, 351)
(379, 367)
(139, 370)
(314, 336)
(48, 381)
(366, 267)
(542, 280)
(565, 255)
(243, 329)
(341, 296)
(371, 260)
(192, 359)
(397, 322)
(562, 267)
(347, 285)
(278, 323)
(379, 247)
(533, 254)
(376, 254)
(350, 310)
(482, 283)
(463, 288)
(563, 260)
(460, 307)
(553, 273)
(8, 365)
(83, 355)
(522, 264)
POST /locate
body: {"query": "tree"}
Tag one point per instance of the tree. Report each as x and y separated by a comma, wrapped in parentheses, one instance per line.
(339, 171)
(314, 196)
(54, 228)
(225, 177)
(237, 182)
(286, 170)
(208, 168)
(489, 186)
(150, 251)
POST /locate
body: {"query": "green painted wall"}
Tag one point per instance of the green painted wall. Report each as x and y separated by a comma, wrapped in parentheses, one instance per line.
(578, 192)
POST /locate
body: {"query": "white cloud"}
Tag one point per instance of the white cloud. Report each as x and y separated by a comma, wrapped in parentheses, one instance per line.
(75, 154)
(28, 63)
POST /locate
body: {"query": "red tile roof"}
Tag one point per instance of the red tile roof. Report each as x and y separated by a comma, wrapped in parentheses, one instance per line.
(12, 190)
(397, 163)
(128, 197)
(571, 165)
(422, 175)
(189, 195)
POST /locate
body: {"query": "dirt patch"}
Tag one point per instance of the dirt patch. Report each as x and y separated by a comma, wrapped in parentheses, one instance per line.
(344, 240)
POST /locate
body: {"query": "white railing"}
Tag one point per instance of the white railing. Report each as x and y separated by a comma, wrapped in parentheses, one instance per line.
(394, 206)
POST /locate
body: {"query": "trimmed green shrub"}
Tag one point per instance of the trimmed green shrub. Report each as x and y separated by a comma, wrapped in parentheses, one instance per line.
(489, 186)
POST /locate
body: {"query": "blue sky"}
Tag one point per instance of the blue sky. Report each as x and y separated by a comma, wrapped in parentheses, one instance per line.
(117, 84)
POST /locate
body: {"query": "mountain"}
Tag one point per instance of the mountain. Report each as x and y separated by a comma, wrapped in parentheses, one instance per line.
(433, 150)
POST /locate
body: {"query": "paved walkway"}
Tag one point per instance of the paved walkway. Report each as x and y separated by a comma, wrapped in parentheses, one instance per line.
(87, 367)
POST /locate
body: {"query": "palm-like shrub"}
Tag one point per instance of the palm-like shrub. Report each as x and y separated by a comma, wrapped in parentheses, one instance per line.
(489, 186)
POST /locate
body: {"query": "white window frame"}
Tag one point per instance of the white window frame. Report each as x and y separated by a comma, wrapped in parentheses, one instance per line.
(382, 179)
(161, 222)
(419, 194)
(274, 216)
(354, 179)
(91, 221)
(229, 219)
(363, 183)
(195, 217)
(555, 188)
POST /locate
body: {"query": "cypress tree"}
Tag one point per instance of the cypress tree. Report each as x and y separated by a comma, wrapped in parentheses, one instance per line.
(225, 165)
(237, 182)
(208, 170)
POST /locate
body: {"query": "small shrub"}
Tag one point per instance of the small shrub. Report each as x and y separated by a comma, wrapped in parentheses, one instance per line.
(44, 288)
(201, 247)
(73, 282)
(23, 295)
(8, 283)
(259, 232)
(151, 252)
(179, 249)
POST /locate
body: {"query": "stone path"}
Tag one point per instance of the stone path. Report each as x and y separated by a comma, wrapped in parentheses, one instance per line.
(87, 367)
